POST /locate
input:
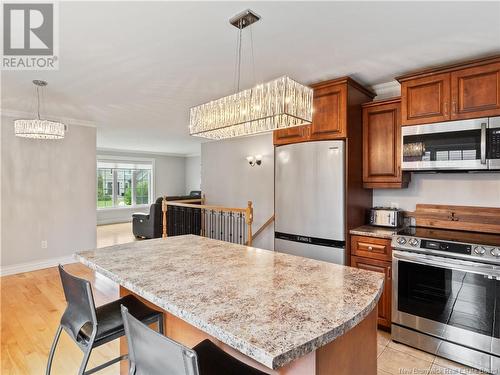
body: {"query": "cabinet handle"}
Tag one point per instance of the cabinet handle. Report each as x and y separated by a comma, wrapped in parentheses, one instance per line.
(454, 106)
(370, 248)
(389, 273)
(446, 108)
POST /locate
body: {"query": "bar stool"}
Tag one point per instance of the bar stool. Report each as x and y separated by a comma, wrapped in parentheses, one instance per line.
(90, 327)
(154, 354)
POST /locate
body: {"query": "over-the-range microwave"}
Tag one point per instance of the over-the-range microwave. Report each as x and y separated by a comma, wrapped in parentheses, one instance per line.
(454, 145)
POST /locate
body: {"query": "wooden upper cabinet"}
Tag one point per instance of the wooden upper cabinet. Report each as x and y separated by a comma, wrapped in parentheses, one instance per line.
(382, 145)
(291, 135)
(329, 113)
(454, 92)
(475, 92)
(334, 101)
(425, 100)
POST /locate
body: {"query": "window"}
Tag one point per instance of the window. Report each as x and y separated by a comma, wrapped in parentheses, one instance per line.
(124, 183)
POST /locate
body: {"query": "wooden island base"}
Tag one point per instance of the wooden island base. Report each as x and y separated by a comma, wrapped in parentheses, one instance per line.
(353, 353)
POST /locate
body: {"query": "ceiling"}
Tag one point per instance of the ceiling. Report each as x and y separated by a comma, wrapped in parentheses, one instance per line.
(135, 68)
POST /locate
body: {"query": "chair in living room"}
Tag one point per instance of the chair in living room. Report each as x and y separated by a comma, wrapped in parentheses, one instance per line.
(150, 225)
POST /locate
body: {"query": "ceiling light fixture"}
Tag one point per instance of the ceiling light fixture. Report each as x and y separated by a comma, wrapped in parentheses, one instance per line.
(280, 103)
(38, 128)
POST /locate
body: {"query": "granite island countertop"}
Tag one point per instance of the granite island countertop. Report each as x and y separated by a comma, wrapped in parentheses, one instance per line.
(270, 306)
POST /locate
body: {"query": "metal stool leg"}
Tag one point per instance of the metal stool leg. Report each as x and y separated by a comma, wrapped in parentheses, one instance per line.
(85, 360)
(53, 349)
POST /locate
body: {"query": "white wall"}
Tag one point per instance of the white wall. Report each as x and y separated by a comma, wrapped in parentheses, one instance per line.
(48, 193)
(468, 189)
(227, 178)
(193, 173)
(169, 179)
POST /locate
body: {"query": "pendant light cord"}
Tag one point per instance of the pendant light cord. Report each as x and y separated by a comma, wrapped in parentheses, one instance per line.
(253, 58)
(237, 70)
(240, 32)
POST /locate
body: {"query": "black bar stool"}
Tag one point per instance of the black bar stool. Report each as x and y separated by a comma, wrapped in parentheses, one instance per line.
(151, 353)
(90, 327)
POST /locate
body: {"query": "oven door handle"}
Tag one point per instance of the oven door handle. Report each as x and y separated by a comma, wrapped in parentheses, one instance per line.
(492, 272)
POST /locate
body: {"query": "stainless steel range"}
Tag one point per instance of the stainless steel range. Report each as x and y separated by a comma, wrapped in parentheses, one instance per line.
(446, 294)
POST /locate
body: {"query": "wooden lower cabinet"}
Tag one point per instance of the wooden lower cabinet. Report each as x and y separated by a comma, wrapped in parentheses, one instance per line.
(380, 262)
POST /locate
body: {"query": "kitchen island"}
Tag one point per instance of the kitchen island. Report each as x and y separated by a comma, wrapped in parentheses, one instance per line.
(281, 313)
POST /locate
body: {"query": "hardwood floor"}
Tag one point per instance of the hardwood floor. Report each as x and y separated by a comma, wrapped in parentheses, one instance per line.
(32, 304)
(113, 234)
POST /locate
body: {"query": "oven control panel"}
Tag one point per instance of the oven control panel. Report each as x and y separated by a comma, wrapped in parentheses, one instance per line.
(450, 249)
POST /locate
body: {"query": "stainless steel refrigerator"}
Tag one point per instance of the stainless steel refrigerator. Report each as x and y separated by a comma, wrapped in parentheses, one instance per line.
(309, 200)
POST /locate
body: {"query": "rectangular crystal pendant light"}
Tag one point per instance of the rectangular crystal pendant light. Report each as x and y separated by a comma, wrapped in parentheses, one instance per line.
(278, 104)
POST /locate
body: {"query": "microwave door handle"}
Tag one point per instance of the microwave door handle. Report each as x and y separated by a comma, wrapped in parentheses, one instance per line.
(447, 263)
(483, 143)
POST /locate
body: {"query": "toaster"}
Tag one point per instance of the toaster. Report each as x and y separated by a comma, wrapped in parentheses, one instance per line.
(386, 217)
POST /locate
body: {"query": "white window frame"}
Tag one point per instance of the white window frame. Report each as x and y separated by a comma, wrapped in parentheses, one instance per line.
(131, 160)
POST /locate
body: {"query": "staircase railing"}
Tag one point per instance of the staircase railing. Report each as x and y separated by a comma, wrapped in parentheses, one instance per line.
(263, 227)
(192, 216)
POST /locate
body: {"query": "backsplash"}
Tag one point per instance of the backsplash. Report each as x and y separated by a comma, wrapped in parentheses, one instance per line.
(468, 189)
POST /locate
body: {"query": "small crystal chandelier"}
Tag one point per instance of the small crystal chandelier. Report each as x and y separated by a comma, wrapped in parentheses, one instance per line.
(281, 103)
(38, 128)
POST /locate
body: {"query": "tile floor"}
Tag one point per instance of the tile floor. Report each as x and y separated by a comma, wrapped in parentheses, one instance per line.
(397, 359)
(393, 358)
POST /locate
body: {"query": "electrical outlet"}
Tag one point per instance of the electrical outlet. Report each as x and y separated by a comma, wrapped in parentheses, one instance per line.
(44, 244)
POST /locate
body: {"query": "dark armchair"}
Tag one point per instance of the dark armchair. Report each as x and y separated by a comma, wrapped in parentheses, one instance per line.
(150, 225)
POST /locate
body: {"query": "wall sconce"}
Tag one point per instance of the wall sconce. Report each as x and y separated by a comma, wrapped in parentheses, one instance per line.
(254, 160)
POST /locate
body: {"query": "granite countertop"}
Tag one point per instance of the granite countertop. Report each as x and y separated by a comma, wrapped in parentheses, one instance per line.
(374, 231)
(271, 306)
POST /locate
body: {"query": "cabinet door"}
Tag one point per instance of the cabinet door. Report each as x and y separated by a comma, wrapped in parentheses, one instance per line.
(384, 304)
(475, 92)
(382, 144)
(329, 114)
(425, 100)
(291, 135)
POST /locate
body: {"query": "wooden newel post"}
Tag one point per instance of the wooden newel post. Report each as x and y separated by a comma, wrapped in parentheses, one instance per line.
(202, 216)
(164, 208)
(249, 220)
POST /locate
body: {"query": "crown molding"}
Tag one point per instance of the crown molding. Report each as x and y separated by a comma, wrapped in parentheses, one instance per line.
(387, 89)
(67, 120)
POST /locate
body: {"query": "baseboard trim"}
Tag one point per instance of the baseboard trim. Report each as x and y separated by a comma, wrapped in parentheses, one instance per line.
(35, 265)
(114, 221)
